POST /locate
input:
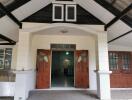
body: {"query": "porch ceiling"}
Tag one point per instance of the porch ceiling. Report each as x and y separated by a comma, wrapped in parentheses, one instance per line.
(91, 6)
(63, 31)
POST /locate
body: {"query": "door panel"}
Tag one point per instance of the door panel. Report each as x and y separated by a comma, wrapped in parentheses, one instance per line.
(43, 69)
(121, 76)
(81, 69)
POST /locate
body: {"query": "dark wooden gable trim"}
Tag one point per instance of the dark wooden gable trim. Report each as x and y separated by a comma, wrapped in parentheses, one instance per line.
(45, 16)
(119, 16)
(120, 36)
(14, 5)
(9, 41)
(10, 15)
(126, 19)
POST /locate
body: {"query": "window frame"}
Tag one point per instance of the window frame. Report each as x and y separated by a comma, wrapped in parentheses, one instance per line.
(75, 13)
(5, 54)
(120, 62)
(62, 12)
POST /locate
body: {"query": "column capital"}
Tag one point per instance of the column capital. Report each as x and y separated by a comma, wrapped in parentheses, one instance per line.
(103, 71)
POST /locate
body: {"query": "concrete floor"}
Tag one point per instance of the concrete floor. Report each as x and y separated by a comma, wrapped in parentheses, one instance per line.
(62, 95)
(77, 95)
(122, 95)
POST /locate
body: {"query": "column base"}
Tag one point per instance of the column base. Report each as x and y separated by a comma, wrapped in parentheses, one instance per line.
(25, 81)
(103, 84)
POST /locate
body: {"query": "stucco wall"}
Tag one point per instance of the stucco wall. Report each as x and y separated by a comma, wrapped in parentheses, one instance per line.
(119, 48)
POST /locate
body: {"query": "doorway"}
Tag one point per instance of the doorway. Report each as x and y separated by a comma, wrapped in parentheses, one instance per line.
(68, 69)
(62, 73)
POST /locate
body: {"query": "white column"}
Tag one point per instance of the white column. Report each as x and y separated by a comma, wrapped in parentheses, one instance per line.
(25, 75)
(103, 73)
(23, 51)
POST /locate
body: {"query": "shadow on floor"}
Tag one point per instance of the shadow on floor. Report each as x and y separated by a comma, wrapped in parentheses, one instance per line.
(6, 98)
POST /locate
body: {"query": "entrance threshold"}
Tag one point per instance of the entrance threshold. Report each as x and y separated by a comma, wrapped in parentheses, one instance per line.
(61, 88)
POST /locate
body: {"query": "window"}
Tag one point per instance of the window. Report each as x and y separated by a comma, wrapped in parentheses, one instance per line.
(70, 12)
(113, 60)
(5, 58)
(1, 58)
(64, 12)
(120, 61)
(126, 61)
(58, 14)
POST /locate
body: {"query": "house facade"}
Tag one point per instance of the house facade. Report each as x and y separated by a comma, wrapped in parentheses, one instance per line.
(64, 46)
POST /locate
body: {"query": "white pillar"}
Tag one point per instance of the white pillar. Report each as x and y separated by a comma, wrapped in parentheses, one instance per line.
(23, 51)
(25, 75)
(103, 73)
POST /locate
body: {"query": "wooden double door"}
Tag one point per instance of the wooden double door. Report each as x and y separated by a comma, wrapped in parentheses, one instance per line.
(43, 78)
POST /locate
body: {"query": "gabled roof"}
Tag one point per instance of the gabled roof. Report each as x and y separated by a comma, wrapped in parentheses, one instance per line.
(14, 4)
(92, 6)
(116, 10)
(45, 16)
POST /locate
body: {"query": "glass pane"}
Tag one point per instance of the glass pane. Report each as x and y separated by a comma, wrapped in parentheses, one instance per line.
(8, 57)
(113, 61)
(71, 13)
(125, 61)
(1, 58)
(58, 12)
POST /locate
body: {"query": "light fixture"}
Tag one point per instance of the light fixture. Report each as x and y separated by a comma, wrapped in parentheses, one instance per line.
(64, 31)
(67, 53)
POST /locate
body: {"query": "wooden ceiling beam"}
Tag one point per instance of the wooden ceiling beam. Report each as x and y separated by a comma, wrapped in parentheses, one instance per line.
(11, 42)
(120, 36)
(126, 10)
(10, 15)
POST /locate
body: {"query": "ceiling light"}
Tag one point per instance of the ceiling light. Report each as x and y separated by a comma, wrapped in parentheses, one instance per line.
(64, 31)
(67, 53)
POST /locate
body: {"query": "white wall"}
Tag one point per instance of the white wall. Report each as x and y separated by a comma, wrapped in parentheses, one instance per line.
(119, 48)
(14, 57)
(25, 82)
(82, 43)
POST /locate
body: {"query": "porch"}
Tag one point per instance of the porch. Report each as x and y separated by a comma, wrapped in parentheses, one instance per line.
(74, 95)
(77, 95)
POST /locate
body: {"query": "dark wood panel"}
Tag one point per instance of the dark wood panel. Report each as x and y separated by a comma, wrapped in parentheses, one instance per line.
(45, 16)
(121, 78)
(81, 69)
(43, 69)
